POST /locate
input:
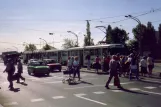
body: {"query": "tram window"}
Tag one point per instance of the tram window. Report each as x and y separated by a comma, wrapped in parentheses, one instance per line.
(92, 52)
(97, 51)
(64, 53)
(105, 51)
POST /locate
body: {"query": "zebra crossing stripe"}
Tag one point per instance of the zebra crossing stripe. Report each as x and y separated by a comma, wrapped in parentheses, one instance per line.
(99, 92)
(37, 100)
(116, 91)
(10, 104)
(58, 97)
(150, 87)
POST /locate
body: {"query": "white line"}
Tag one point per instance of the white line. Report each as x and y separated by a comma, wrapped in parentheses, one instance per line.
(134, 89)
(53, 82)
(95, 86)
(80, 94)
(150, 87)
(91, 100)
(116, 91)
(10, 103)
(99, 92)
(151, 92)
(85, 87)
(37, 100)
(58, 97)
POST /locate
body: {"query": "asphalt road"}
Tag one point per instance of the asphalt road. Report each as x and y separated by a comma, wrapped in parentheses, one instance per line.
(43, 91)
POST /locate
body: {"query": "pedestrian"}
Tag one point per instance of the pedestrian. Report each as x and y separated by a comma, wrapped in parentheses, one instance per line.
(143, 64)
(118, 64)
(150, 64)
(122, 65)
(133, 68)
(69, 65)
(88, 57)
(10, 69)
(113, 73)
(106, 63)
(76, 68)
(20, 71)
(97, 64)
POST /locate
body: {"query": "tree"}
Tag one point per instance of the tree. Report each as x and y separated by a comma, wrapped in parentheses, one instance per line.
(159, 41)
(87, 39)
(30, 47)
(116, 35)
(68, 43)
(47, 47)
(146, 34)
(132, 45)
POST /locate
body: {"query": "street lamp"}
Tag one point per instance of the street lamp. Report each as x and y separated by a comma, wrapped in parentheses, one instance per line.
(139, 22)
(74, 34)
(15, 48)
(44, 40)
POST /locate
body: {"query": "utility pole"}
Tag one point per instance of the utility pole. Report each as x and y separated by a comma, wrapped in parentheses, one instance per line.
(88, 32)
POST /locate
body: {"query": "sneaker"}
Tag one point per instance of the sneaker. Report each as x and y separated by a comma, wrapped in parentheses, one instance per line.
(107, 87)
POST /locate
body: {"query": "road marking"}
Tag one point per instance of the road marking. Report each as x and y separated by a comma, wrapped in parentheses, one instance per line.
(151, 92)
(99, 92)
(134, 89)
(10, 103)
(153, 81)
(81, 96)
(37, 100)
(53, 82)
(58, 97)
(1, 105)
(96, 86)
(117, 91)
(150, 87)
(85, 87)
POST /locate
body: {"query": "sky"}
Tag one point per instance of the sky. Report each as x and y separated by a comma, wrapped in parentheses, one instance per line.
(28, 20)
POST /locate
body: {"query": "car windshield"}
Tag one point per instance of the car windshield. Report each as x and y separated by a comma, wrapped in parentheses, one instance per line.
(50, 61)
(37, 63)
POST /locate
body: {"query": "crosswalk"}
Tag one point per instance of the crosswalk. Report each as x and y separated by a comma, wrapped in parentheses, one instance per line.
(85, 95)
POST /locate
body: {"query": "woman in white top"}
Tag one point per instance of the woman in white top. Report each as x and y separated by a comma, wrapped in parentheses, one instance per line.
(133, 68)
(150, 64)
(143, 64)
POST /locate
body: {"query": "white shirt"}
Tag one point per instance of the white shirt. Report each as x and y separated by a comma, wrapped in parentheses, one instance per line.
(143, 63)
(70, 62)
(150, 61)
(75, 63)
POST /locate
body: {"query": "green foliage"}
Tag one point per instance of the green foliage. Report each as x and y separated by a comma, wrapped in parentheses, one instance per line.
(68, 43)
(87, 39)
(132, 45)
(116, 35)
(47, 47)
(30, 47)
(86, 42)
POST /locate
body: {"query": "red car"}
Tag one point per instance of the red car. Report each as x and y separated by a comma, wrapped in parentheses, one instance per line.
(53, 65)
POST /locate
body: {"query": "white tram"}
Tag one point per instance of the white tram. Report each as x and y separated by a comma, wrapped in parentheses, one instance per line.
(81, 52)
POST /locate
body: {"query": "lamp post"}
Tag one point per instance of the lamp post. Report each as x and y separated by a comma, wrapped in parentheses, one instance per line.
(74, 34)
(139, 23)
(51, 33)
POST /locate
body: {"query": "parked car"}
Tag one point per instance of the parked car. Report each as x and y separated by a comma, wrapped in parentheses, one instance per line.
(53, 65)
(38, 67)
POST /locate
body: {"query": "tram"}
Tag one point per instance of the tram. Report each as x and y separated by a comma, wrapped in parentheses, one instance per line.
(61, 56)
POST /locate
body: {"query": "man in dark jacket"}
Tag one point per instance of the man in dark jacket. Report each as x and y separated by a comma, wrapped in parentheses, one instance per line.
(10, 69)
(113, 72)
(20, 71)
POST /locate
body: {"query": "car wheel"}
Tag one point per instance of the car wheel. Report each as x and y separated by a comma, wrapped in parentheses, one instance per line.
(59, 70)
(48, 74)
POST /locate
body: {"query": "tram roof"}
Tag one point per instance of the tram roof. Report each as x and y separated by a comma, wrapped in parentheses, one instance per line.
(97, 46)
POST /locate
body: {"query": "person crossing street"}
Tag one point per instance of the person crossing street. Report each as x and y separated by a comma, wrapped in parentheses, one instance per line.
(20, 71)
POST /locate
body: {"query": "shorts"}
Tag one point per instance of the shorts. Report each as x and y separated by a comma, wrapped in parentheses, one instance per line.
(143, 70)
